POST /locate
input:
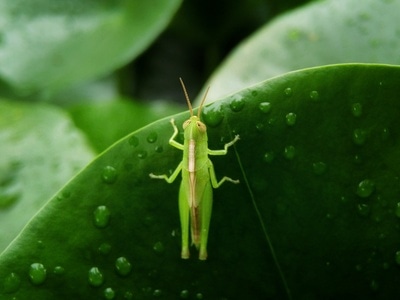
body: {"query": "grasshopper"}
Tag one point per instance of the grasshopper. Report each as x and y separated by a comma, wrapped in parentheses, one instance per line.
(198, 179)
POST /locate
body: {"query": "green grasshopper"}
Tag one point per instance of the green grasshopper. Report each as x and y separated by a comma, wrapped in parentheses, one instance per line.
(198, 179)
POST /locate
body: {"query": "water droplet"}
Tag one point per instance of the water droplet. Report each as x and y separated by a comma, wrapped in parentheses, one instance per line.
(96, 278)
(269, 157)
(133, 141)
(157, 293)
(123, 266)
(385, 266)
(109, 293)
(397, 258)
(128, 295)
(289, 152)
(37, 273)
(109, 174)
(152, 137)
(397, 210)
(64, 195)
(363, 209)
(58, 270)
(358, 159)
(158, 247)
(314, 95)
(365, 188)
(237, 104)
(356, 109)
(101, 216)
(319, 168)
(385, 134)
(374, 285)
(291, 119)
(142, 154)
(212, 115)
(159, 149)
(359, 136)
(104, 248)
(288, 91)
(184, 294)
(265, 107)
(11, 283)
(259, 126)
(254, 93)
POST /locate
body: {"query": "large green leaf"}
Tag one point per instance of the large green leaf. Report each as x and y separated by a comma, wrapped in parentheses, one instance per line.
(49, 45)
(316, 214)
(321, 33)
(40, 150)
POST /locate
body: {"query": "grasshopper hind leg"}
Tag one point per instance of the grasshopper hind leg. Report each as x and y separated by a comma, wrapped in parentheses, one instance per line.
(184, 216)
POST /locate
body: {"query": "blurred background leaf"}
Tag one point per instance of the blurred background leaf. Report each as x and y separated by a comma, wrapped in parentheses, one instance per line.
(47, 46)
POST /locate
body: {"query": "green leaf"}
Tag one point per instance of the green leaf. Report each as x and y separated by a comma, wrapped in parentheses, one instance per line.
(321, 33)
(40, 150)
(47, 45)
(316, 214)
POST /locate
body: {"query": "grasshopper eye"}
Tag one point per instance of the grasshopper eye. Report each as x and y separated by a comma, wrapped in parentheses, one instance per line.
(201, 126)
(186, 124)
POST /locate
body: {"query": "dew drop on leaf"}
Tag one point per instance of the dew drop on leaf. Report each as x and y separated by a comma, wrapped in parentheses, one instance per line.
(374, 285)
(356, 109)
(397, 210)
(259, 126)
(123, 266)
(109, 174)
(212, 115)
(365, 188)
(101, 216)
(109, 293)
(142, 154)
(158, 247)
(289, 152)
(95, 277)
(269, 157)
(104, 248)
(37, 273)
(128, 295)
(291, 119)
(184, 294)
(397, 257)
(11, 283)
(363, 209)
(264, 107)
(359, 136)
(157, 293)
(237, 104)
(314, 95)
(58, 270)
(159, 149)
(133, 141)
(385, 134)
(319, 168)
(288, 91)
(152, 137)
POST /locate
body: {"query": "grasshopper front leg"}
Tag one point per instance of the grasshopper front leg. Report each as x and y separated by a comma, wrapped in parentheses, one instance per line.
(175, 144)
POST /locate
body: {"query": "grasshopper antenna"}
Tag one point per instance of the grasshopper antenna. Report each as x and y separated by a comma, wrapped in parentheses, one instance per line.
(186, 96)
(202, 102)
